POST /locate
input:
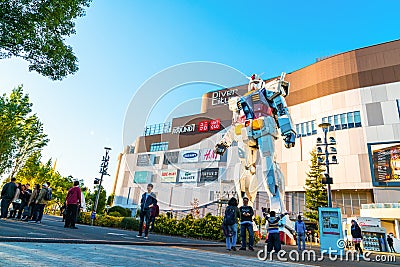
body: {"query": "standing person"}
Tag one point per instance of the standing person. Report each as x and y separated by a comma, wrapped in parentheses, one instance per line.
(356, 234)
(41, 202)
(73, 200)
(246, 223)
(232, 214)
(16, 202)
(31, 202)
(7, 194)
(300, 228)
(24, 196)
(274, 240)
(154, 212)
(148, 200)
(390, 243)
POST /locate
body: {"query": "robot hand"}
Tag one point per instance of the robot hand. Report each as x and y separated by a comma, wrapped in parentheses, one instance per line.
(220, 148)
(290, 139)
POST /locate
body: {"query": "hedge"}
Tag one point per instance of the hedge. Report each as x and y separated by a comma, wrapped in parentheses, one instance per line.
(208, 227)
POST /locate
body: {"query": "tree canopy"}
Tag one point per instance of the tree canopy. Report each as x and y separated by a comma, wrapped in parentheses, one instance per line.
(35, 30)
(21, 132)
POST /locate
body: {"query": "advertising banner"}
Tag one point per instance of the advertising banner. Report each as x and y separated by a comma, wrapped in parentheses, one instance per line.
(171, 157)
(208, 154)
(385, 163)
(188, 176)
(209, 174)
(190, 156)
(331, 232)
(168, 176)
(142, 177)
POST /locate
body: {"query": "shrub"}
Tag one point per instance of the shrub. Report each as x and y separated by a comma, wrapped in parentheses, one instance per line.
(125, 212)
(115, 214)
(209, 227)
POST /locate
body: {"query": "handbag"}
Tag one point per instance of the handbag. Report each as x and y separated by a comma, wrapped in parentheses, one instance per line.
(18, 201)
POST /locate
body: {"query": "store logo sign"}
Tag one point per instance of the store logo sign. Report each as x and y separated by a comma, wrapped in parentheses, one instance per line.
(190, 155)
(212, 125)
(222, 97)
(184, 129)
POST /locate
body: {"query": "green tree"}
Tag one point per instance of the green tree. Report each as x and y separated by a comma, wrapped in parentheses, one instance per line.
(91, 198)
(36, 30)
(110, 199)
(316, 194)
(36, 172)
(21, 132)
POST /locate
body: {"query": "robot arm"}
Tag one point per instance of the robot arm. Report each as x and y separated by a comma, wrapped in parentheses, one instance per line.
(275, 93)
(229, 137)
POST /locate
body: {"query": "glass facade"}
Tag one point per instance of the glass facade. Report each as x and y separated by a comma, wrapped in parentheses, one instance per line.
(161, 146)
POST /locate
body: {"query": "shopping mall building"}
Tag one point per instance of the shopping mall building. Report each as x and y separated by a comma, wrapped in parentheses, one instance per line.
(357, 92)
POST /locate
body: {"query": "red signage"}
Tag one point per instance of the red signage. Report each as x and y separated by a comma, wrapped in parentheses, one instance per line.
(215, 125)
(203, 126)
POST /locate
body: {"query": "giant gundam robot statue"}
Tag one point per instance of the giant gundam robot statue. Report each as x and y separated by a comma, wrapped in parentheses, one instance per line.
(256, 118)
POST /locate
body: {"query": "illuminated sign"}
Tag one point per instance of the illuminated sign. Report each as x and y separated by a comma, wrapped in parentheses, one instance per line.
(184, 129)
(186, 176)
(222, 97)
(209, 155)
(168, 176)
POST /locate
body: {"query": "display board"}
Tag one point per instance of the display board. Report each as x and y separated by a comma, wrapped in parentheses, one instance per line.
(331, 232)
(385, 163)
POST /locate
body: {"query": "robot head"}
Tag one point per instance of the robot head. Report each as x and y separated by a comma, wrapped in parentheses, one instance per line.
(255, 83)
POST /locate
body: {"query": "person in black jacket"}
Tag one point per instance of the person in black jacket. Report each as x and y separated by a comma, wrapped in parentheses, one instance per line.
(390, 243)
(146, 203)
(246, 223)
(356, 234)
(7, 194)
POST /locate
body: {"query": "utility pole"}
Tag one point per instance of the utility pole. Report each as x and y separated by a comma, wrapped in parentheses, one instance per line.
(103, 172)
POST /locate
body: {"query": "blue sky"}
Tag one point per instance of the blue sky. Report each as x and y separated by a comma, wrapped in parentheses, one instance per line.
(120, 44)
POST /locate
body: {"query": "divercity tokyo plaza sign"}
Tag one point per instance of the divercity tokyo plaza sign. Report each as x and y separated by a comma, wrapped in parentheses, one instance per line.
(184, 129)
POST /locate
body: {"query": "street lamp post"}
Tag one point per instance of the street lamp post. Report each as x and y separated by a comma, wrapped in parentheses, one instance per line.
(103, 172)
(332, 142)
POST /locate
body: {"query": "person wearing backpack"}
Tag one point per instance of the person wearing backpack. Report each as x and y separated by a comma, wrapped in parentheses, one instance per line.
(300, 228)
(44, 196)
(7, 194)
(232, 214)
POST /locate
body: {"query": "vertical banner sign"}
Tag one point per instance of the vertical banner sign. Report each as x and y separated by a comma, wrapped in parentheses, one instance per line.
(331, 232)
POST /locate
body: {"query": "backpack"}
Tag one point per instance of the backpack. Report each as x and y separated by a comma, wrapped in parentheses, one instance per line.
(48, 195)
(230, 216)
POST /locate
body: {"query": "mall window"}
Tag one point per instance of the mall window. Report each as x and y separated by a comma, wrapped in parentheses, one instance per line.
(313, 129)
(336, 122)
(343, 120)
(303, 133)
(350, 119)
(298, 130)
(161, 146)
(308, 128)
(357, 119)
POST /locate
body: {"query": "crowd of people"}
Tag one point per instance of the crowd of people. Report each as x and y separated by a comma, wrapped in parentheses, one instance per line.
(19, 202)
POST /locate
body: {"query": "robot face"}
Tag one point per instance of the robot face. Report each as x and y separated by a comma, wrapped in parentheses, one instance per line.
(256, 83)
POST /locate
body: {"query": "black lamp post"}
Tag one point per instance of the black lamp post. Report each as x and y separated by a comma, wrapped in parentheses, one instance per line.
(103, 171)
(321, 161)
